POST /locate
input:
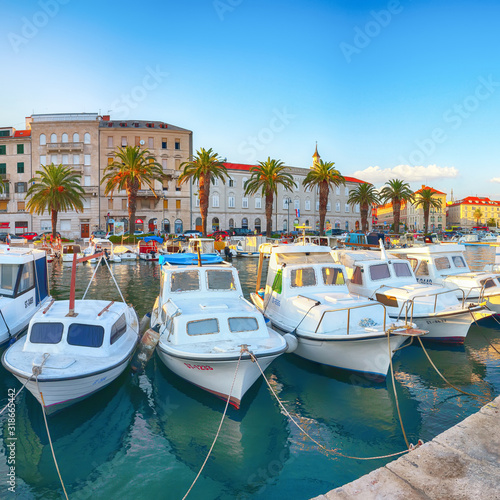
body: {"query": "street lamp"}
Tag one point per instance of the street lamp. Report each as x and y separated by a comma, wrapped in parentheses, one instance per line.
(288, 201)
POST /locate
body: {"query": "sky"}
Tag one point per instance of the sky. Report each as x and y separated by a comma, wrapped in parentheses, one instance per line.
(406, 89)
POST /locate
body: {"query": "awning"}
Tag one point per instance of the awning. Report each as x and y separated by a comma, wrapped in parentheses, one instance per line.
(4, 225)
(139, 221)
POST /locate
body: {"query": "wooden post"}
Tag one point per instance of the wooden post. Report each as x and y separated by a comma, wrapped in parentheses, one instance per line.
(259, 272)
(72, 287)
(199, 256)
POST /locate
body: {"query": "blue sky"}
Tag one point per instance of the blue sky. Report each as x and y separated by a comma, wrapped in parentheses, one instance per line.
(399, 88)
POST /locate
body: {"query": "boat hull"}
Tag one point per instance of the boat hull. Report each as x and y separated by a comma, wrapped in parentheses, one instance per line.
(59, 393)
(216, 376)
(370, 356)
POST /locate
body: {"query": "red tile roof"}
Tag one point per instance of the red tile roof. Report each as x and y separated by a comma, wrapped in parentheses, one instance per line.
(435, 191)
(22, 133)
(475, 200)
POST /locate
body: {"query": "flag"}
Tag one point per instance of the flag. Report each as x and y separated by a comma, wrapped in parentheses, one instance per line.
(297, 212)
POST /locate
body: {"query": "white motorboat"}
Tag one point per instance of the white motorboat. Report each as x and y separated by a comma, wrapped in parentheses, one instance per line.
(24, 288)
(306, 294)
(73, 349)
(68, 250)
(147, 249)
(102, 245)
(206, 326)
(124, 252)
(249, 246)
(392, 283)
(445, 265)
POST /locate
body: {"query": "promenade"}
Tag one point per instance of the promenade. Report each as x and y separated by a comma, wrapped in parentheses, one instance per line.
(461, 463)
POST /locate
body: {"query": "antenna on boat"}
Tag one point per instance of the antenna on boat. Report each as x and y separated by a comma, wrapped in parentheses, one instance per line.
(383, 255)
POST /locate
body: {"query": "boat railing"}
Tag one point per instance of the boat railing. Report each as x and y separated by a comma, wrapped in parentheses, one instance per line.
(412, 302)
(480, 289)
(348, 309)
(388, 286)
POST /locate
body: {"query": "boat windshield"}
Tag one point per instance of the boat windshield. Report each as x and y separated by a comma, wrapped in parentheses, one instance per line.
(203, 327)
(305, 258)
(333, 276)
(184, 281)
(442, 263)
(220, 280)
(303, 277)
(8, 277)
(402, 269)
(83, 335)
(379, 272)
(243, 324)
(458, 261)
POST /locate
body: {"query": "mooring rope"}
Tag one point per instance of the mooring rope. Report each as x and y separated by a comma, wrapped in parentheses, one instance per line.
(48, 432)
(327, 450)
(484, 336)
(443, 377)
(17, 394)
(243, 349)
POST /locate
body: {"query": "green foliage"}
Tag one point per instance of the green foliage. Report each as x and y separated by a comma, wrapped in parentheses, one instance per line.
(396, 191)
(426, 200)
(365, 195)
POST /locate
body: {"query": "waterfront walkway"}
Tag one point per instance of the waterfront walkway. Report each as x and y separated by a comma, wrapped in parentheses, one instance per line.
(461, 463)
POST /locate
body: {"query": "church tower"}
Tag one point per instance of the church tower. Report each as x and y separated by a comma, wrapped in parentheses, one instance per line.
(316, 156)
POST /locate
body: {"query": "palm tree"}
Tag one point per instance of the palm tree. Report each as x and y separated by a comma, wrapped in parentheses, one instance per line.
(56, 189)
(204, 167)
(3, 185)
(365, 196)
(426, 200)
(491, 222)
(266, 177)
(325, 176)
(396, 191)
(478, 215)
(132, 169)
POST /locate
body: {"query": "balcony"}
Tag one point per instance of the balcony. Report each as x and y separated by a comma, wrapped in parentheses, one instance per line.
(5, 196)
(65, 146)
(91, 190)
(147, 193)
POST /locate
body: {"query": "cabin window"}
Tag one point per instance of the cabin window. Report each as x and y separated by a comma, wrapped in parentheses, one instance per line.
(488, 283)
(203, 327)
(118, 329)
(423, 269)
(46, 333)
(220, 280)
(243, 324)
(379, 272)
(8, 276)
(303, 277)
(185, 281)
(442, 263)
(458, 261)
(402, 269)
(357, 277)
(27, 278)
(413, 263)
(333, 276)
(85, 335)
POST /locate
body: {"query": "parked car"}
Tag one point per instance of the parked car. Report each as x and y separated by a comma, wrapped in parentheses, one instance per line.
(217, 234)
(192, 233)
(17, 237)
(241, 231)
(29, 236)
(99, 234)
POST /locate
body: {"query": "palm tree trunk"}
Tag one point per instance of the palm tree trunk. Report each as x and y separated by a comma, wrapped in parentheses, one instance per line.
(396, 207)
(269, 214)
(426, 220)
(132, 208)
(364, 217)
(323, 202)
(204, 196)
(53, 218)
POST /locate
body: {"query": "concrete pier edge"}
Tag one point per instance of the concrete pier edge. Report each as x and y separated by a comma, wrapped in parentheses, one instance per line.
(461, 463)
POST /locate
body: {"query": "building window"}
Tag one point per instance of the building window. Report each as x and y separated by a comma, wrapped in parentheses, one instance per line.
(137, 141)
(244, 223)
(317, 206)
(64, 137)
(86, 181)
(164, 164)
(86, 159)
(215, 181)
(178, 204)
(296, 204)
(124, 141)
(231, 202)
(65, 159)
(258, 202)
(3, 206)
(346, 208)
(43, 160)
(337, 206)
(337, 190)
(53, 138)
(231, 183)
(76, 159)
(43, 140)
(110, 141)
(346, 191)
(20, 167)
(308, 205)
(20, 149)
(21, 206)
(20, 187)
(328, 207)
(231, 223)
(151, 142)
(110, 203)
(357, 208)
(3, 150)
(124, 204)
(3, 168)
(215, 201)
(86, 138)
(197, 204)
(257, 225)
(244, 203)
(76, 137)
(164, 143)
(177, 144)
(53, 159)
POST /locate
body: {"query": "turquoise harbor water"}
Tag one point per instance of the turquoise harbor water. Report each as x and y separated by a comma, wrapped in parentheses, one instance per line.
(147, 436)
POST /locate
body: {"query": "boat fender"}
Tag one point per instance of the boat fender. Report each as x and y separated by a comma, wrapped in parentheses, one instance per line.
(145, 323)
(291, 342)
(145, 349)
(260, 293)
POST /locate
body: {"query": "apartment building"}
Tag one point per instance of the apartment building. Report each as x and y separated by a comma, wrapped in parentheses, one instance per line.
(229, 207)
(462, 213)
(169, 208)
(15, 171)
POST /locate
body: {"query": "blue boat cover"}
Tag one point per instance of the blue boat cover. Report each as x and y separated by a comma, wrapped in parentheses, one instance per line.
(190, 259)
(147, 239)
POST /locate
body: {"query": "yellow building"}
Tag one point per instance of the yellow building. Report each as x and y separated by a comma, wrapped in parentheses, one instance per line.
(463, 213)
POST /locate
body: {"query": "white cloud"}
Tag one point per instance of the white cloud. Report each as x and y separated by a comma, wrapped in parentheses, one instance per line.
(407, 173)
(495, 179)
